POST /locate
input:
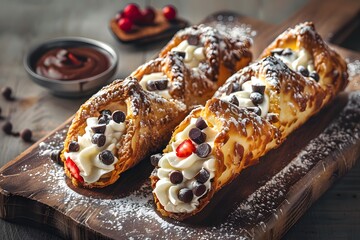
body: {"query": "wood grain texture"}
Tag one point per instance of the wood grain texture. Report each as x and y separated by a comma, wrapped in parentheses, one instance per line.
(24, 23)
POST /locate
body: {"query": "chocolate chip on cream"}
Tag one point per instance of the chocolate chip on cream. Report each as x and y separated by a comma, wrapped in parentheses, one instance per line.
(194, 53)
(93, 153)
(185, 196)
(156, 82)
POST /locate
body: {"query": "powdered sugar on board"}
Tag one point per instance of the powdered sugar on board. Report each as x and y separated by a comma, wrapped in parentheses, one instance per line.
(114, 216)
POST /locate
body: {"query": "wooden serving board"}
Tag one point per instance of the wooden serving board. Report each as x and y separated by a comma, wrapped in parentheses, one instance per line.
(263, 202)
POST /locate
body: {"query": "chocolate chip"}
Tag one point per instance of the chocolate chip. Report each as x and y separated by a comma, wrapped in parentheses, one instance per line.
(197, 135)
(180, 53)
(193, 40)
(258, 87)
(256, 98)
(105, 112)
(200, 123)
(255, 110)
(151, 86)
(287, 52)
(176, 177)
(315, 76)
(199, 189)
(234, 100)
(277, 51)
(272, 117)
(74, 146)
(303, 71)
(154, 159)
(100, 128)
(118, 116)
(185, 195)
(235, 87)
(161, 84)
(203, 150)
(7, 127)
(26, 135)
(106, 157)
(202, 176)
(6, 92)
(98, 139)
(55, 155)
(103, 119)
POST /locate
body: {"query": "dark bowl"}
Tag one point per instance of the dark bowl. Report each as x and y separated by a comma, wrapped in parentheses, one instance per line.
(71, 88)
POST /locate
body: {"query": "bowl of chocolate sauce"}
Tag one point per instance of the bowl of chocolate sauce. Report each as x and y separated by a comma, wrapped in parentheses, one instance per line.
(71, 66)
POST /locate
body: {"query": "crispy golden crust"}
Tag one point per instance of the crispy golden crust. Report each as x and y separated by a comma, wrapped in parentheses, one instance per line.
(224, 54)
(144, 113)
(243, 137)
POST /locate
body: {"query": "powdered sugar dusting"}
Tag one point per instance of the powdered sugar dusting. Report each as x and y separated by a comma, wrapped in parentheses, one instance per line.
(353, 69)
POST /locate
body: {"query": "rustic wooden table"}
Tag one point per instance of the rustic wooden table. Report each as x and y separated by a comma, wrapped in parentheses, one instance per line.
(336, 215)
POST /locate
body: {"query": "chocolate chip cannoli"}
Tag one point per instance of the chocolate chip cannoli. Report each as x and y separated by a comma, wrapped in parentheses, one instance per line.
(251, 114)
(114, 130)
(194, 64)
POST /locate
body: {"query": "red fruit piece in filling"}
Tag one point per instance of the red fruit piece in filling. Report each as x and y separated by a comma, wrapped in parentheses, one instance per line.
(169, 12)
(185, 149)
(132, 12)
(125, 24)
(74, 170)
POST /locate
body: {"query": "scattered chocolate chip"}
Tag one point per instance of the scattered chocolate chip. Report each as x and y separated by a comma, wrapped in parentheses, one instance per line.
(55, 155)
(104, 119)
(287, 52)
(161, 84)
(154, 159)
(26, 135)
(255, 110)
(105, 112)
(185, 195)
(200, 123)
(199, 189)
(176, 177)
(234, 100)
(277, 51)
(7, 127)
(193, 40)
(118, 116)
(203, 150)
(151, 86)
(74, 146)
(197, 135)
(202, 176)
(106, 157)
(235, 87)
(315, 76)
(180, 53)
(6, 92)
(258, 87)
(303, 71)
(100, 128)
(98, 139)
(256, 98)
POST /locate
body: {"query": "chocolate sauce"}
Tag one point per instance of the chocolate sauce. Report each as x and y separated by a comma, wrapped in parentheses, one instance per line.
(72, 63)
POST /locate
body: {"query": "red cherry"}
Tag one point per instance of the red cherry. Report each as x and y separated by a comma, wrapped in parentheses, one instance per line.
(132, 12)
(125, 24)
(148, 16)
(119, 15)
(185, 149)
(74, 170)
(169, 12)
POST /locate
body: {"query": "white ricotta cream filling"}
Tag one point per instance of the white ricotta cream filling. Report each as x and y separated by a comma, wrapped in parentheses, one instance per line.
(243, 96)
(87, 158)
(193, 54)
(165, 190)
(296, 59)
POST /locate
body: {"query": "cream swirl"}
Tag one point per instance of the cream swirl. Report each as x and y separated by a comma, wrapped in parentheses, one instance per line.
(165, 190)
(193, 54)
(87, 158)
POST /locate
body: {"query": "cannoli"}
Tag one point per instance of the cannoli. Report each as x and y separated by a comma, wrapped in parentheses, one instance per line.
(252, 113)
(194, 64)
(115, 129)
